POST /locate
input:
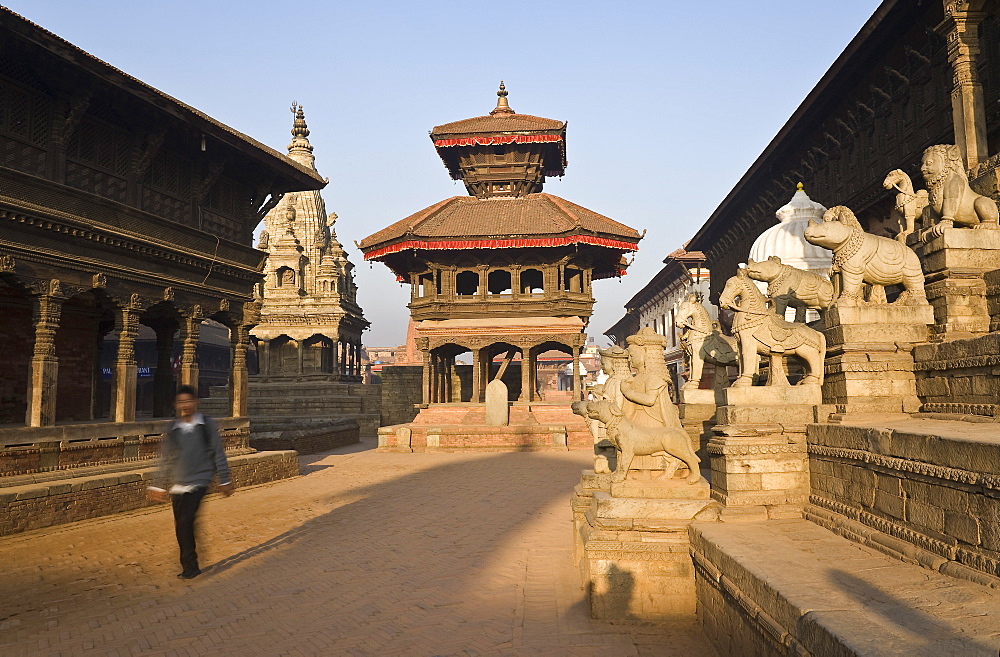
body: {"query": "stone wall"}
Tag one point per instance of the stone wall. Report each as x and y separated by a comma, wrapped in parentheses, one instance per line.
(311, 439)
(960, 376)
(402, 390)
(27, 505)
(926, 491)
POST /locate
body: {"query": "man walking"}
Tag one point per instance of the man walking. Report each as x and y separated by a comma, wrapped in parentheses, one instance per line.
(190, 456)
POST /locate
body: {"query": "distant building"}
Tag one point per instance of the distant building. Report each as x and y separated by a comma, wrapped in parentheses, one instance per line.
(655, 305)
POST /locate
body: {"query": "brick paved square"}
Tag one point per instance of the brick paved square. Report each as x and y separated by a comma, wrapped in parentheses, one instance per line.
(365, 554)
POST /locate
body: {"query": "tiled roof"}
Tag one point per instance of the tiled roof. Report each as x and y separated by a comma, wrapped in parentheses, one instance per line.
(467, 217)
(56, 44)
(498, 123)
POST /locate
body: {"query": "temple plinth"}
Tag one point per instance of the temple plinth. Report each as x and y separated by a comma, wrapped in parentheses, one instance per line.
(501, 275)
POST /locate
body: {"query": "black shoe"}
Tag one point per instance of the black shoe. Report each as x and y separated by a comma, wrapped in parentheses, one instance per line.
(189, 574)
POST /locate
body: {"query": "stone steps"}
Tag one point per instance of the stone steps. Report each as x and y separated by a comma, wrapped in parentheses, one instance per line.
(790, 587)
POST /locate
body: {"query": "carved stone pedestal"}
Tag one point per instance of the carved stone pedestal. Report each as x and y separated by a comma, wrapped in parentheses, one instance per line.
(869, 361)
(632, 545)
(955, 264)
(759, 465)
(697, 413)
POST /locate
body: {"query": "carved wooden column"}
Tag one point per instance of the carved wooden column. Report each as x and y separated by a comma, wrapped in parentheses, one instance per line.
(163, 379)
(477, 376)
(525, 374)
(299, 353)
(42, 381)
(125, 373)
(577, 382)
(426, 376)
(483, 290)
(239, 337)
(961, 29)
(190, 332)
(335, 355)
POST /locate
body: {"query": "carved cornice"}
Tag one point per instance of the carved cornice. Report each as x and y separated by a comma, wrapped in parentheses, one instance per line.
(986, 360)
(717, 447)
(142, 250)
(969, 477)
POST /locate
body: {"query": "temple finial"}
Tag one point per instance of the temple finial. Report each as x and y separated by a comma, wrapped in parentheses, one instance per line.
(300, 134)
(800, 187)
(502, 106)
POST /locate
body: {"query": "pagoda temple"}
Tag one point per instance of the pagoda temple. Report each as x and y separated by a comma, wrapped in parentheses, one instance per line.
(505, 271)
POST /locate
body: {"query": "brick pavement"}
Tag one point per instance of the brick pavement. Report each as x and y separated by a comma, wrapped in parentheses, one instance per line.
(365, 554)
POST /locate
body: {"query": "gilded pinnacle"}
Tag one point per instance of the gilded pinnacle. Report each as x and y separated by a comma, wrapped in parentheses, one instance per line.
(502, 106)
(800, 187)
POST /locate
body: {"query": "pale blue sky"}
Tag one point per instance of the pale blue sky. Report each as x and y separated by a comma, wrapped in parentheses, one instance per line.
(668, 103)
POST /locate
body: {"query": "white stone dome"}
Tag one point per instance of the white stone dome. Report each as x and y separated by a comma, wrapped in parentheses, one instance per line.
(787, 239)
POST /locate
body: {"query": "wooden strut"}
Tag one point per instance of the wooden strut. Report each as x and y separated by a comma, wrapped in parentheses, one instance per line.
(506, 361)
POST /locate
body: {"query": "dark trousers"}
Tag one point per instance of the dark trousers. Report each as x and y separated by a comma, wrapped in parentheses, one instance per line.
(185, 510)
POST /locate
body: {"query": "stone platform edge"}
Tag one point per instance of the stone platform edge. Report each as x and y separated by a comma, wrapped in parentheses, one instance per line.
(750, 600)
(56, 502)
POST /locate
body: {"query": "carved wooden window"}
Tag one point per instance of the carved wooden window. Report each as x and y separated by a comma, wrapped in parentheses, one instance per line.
(97, 158)
(25, 116)
(167, 187)
(499, 282)
(466, 283)
(425, 284)
(573, 280)
(532, 281)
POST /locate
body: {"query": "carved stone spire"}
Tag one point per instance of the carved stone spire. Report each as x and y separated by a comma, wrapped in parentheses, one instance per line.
(502, 106)
(300, 149)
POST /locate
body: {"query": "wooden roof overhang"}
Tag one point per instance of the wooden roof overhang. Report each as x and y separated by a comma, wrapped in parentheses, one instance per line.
(859, 56)
(502, 130)
(528, 222)
(288, 175)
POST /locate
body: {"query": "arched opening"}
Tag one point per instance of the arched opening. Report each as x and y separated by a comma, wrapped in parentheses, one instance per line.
(451, 374)
(283, 356)
(317, 355)
(79, 349)
(214, 356)
(157, 350)
(554, 371)
(284, 277)
(532, 282)
(498, 282)
(466, 283)
(504, 361)
(17, 336)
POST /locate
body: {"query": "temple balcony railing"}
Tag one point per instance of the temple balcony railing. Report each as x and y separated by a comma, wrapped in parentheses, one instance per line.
(503, 305)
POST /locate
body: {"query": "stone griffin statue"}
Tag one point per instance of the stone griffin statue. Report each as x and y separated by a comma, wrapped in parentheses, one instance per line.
(647, 424)
(909, 204)
(759, 332)
(703, 342)
(860, 257)
(951, 201)
(789, 286)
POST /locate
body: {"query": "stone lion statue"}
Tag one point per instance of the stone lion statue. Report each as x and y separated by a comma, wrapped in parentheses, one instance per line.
(950, 199)
(860, 257)
(790, 286)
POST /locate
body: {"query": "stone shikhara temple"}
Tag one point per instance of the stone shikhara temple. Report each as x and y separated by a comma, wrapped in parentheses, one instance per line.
(310, 320)
(507, 269)
(119, 207)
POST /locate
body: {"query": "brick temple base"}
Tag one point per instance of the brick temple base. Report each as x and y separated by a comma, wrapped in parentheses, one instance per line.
(457, 427)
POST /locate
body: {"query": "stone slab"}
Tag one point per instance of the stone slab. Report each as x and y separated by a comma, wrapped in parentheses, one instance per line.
(803, 590)
(773, 396)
